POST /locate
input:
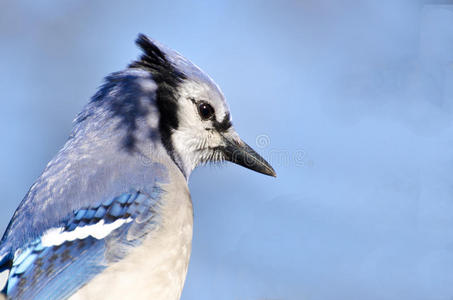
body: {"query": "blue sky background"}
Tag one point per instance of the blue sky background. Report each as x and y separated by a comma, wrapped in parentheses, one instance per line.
(351, 101)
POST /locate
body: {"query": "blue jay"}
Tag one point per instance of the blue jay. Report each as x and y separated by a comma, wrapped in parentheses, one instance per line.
(111, 215)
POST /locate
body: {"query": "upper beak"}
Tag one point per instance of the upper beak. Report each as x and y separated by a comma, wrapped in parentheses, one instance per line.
(242, 154)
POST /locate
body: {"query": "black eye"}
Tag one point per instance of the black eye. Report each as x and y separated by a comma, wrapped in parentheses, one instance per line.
(205, 110)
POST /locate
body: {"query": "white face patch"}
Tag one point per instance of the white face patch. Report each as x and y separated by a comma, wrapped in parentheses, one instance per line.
(202, 91)
(57, 236)
(195, 138)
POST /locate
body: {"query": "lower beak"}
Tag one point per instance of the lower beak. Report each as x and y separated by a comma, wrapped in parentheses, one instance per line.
(242, 154)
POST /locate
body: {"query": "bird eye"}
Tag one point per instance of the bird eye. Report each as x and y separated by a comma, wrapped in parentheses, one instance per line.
(205, 110)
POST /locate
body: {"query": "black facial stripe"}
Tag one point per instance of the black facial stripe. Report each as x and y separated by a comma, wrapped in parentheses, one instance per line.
(224, 125)
(167, 78)
(219, 126)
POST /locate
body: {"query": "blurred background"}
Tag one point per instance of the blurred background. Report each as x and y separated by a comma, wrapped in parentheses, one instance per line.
(351, 102)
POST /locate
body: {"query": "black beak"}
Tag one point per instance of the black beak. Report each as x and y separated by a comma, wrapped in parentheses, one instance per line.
(242, 154)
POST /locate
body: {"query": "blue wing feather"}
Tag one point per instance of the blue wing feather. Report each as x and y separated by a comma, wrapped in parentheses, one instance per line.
(83, 184)
(54, 272)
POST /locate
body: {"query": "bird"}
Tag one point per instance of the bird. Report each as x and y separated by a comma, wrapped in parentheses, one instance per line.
(111, 215)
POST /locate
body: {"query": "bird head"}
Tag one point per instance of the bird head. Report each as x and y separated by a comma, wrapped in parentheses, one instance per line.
(194, 119)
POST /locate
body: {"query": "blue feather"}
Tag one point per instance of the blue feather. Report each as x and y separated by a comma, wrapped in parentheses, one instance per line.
(56, 271)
